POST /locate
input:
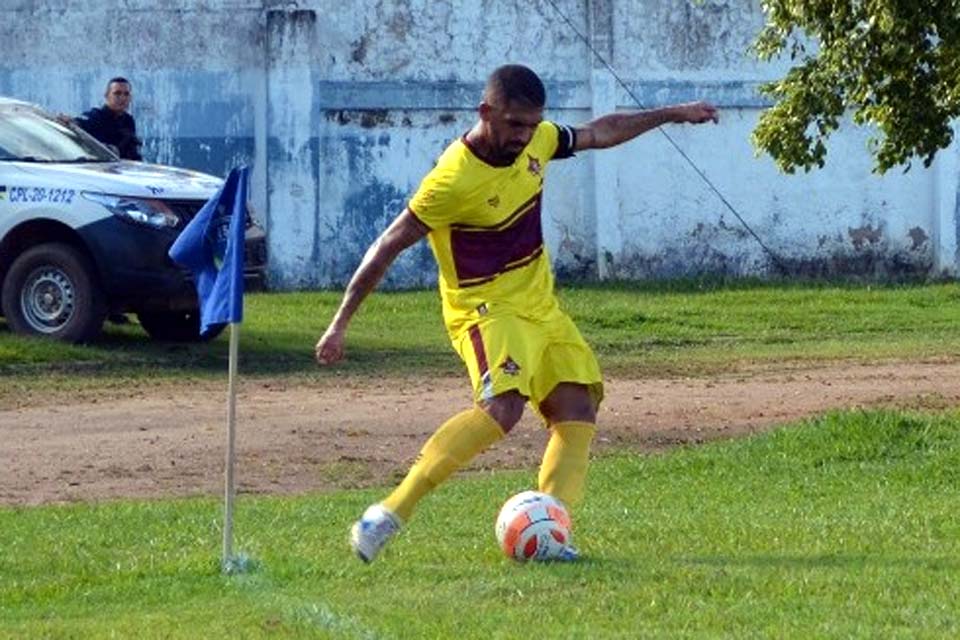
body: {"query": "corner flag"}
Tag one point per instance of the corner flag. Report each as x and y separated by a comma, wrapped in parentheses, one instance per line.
(211, 246)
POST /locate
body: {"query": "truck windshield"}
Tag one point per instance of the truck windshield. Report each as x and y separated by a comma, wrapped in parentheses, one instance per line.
(27, 135)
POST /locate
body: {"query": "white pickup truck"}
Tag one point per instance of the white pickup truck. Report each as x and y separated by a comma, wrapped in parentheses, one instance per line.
(84, 234)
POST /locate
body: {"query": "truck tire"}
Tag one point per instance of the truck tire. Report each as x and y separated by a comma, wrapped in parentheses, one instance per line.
(52, 290)
(175, 326)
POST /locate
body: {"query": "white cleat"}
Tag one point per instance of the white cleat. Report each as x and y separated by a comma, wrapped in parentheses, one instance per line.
(569, 554)
(372, 531)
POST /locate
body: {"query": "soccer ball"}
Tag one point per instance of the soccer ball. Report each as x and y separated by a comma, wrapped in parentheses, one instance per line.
(533, 526)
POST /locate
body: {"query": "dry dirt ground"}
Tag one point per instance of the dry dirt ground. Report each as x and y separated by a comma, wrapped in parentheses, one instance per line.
(294, 438)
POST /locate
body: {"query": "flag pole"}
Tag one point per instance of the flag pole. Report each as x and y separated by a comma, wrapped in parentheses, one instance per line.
(228, 560)
(212, 245)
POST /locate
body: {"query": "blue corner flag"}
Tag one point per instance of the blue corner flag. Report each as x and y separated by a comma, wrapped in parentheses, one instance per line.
(211, 246)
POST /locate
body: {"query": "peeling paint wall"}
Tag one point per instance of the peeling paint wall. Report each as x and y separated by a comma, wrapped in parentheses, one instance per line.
(341, 109)
(195, 97)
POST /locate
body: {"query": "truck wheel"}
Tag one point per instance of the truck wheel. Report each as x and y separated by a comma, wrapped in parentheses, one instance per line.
(174, 326)
(52, 290)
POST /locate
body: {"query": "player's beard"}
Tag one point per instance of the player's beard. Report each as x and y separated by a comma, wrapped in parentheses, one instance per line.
(508, 153)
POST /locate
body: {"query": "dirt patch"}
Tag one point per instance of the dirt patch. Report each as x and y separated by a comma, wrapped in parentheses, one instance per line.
(295, 438)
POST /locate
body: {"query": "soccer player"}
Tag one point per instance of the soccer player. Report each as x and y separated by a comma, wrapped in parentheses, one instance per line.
(480, 210)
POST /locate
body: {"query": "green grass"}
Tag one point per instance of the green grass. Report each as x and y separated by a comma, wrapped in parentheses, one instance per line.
(844, 526)
(640, 330)
(691, 329)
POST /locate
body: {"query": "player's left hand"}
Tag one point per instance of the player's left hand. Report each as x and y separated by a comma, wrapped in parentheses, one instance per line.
(699, 112)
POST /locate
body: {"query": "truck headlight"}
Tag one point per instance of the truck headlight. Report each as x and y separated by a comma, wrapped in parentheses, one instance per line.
(153, 213)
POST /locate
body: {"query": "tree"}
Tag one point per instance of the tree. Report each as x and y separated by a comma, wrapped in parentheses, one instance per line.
(894, 63)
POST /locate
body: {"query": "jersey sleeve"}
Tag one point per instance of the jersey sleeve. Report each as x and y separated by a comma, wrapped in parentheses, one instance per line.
(566, 141)
(434, 202)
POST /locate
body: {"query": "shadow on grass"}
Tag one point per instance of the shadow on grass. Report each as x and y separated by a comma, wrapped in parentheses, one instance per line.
(127, 350)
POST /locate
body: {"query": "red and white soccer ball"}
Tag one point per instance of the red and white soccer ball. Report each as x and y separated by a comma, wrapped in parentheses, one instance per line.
(533, 526)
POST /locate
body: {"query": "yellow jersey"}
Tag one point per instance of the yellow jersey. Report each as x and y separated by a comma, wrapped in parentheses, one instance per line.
(485, 229)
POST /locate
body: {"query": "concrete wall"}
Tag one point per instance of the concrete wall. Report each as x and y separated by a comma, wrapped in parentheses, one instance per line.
(342, 107)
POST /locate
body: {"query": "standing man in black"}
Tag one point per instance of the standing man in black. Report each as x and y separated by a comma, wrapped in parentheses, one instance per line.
(111, 124)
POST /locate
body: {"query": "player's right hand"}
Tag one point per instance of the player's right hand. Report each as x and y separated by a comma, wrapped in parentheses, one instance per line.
(329, 348)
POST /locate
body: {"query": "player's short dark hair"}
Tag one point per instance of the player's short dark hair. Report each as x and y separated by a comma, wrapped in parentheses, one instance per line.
(516, 83)
(116, 79)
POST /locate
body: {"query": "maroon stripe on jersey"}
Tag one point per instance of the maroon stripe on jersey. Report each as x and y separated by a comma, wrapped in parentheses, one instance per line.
(481, 255)
(510, 267)
(478, 350)
(506, 222)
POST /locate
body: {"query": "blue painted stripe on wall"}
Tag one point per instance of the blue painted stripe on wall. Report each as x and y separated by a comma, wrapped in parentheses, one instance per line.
(197, 104)
(725, 94)
(425, 95)
(562, 95)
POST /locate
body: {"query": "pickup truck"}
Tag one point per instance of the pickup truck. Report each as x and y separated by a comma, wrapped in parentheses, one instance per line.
(84, 235)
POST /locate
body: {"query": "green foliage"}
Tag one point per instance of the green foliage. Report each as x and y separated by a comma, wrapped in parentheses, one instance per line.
(894, 63)
(843, 526)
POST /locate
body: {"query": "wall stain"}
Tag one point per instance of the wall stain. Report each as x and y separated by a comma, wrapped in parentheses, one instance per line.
(400, 23)
(374, 118)
(287, 30)
(695, 260)
(577, 268)
(366, 118)
(358, 52)
(866, 266)
(573, 260)
(705, 232)
(366, 213)
(874, 263)
(864, 236)
(919, 238)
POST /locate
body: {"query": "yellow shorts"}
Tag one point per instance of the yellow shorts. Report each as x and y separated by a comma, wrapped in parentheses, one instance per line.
(530, 356)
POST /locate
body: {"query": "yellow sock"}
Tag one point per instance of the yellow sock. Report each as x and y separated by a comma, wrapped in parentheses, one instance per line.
(564, 467)
(453, 445)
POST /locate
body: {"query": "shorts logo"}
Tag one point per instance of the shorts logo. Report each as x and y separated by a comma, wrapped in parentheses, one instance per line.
(510, 367)
(533, 166)
(494, 201)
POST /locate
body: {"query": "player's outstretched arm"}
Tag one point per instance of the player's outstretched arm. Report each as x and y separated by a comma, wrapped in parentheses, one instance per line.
(403, 232)
(615, 128)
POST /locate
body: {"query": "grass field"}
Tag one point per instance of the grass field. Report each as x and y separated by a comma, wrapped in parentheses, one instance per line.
(840, 527)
